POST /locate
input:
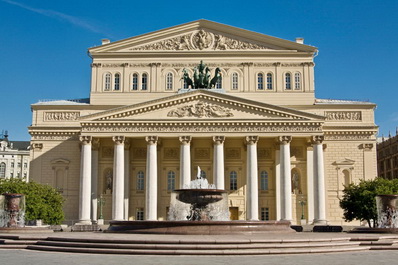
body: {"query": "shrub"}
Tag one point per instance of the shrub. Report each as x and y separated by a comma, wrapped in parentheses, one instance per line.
(42, 201)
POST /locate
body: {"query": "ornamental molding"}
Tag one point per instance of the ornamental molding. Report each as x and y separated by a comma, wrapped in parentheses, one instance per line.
(36, 146)
(199, 110)
(200, 40)
(349, 135)
(54, 136)
(199, 127)
(343, 115)
(61, 115)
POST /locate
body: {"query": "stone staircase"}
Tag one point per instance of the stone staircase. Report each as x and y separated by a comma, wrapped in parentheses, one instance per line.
(198, 246)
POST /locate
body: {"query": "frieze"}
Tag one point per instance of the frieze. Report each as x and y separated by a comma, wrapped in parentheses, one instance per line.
(200, 40)
(343, 115)
(139, 65)
(200, 110)
(265, 153)
(233, 153)
(61, 116)
(347, 136)
(202, 153)
(54, 137)
(171, 153)
(139, 153)
(204, 127)
(264, 64)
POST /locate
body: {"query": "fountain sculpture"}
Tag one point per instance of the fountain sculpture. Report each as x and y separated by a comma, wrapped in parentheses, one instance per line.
(12, 210)
(387, 211)
(199, 209)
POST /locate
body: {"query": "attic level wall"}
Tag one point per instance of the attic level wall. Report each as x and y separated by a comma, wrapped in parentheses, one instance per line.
(120, 83)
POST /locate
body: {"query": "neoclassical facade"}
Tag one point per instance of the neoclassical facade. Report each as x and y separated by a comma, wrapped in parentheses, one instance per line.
(259, 133)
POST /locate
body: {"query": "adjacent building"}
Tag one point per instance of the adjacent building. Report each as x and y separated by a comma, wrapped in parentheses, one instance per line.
(14, 158)
(259, 132)
(387, 157)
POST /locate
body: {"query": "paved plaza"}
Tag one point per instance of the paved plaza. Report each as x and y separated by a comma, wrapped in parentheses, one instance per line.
(26, 257)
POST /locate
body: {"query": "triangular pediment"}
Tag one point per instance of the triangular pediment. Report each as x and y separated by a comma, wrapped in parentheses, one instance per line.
(201, 35)
(202, 105)
(344, 162)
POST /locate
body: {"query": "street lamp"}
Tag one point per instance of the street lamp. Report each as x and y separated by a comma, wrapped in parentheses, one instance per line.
(101, 203)
(302, 202)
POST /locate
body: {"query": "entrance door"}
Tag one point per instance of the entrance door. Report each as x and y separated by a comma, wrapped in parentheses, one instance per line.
(234, 213)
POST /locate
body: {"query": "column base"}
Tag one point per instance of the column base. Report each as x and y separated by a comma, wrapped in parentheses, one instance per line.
(84, 222)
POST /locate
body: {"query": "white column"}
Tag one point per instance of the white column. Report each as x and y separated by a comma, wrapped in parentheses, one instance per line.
(185, 161)
(252, 178)
(94, 180)
(286, 184)
(218, 167)
(85, 181)
(319, 181)
(278, 185)
(151, 198)
(118, 179)
(126, 179)
(310, 184)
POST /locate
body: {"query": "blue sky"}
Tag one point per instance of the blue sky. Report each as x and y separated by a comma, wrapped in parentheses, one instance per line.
(43, 45)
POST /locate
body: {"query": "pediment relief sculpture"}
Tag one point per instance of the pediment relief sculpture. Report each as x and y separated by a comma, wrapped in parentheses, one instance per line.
(201, 40)
(200, 109)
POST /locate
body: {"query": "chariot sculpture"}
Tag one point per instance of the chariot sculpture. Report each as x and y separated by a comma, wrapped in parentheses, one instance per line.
(202, 77)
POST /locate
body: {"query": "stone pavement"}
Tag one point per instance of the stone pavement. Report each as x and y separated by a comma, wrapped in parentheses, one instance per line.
(28, 257)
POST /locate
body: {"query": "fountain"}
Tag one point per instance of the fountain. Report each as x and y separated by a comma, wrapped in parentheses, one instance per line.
(199, 209)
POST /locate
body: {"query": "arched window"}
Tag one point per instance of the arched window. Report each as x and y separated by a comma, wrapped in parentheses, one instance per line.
(134, 82)
(233, 180)
(144, 84)
(107, 83)
(297, 81)
(288, 81)
(140, 180)
(2, 170)
(171, 181)
(117, 82)
(347, 179)
(264, 180)
(269, 81)
(169, 81)
(260, 81)
(219, 82)
(235, 81)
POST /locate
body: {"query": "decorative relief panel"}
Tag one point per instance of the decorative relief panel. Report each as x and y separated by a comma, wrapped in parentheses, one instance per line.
(343, 115)
(200, 110)
(297, 151)
(202, 153)
(107, 152)
(264, 153)
(171, 153)
(233, 153)
(201, 40)
(61, 116)
(139, 153)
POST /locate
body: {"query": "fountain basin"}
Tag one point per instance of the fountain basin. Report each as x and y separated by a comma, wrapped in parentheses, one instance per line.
(200, 228)
(200, 197)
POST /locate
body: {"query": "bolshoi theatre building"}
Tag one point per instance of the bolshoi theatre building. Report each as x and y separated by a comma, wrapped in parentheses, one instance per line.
(255, 129)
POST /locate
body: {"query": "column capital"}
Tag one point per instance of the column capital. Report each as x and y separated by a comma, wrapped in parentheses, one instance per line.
(151, 139)
(317, 139)
(185, 139)
(284, 139)
(218, 139)
(251, 139)
(118, 139)
(85, 140)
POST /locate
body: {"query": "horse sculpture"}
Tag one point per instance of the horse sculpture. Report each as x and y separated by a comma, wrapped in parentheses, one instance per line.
(201, 77)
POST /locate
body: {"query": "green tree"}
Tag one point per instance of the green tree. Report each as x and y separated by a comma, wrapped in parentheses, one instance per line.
(359, 200)
(42, 201)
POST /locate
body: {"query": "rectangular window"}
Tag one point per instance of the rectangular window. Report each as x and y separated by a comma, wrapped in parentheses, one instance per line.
(265, 214)
(139, 214)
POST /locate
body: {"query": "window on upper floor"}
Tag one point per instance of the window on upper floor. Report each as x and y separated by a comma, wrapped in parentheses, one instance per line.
(297, 81)
(288, 81)
(107, 83)
(171, 181)
(169, 81)
(264, 180)
(233, 180)
(144, 84)
(2, 170)
(270, 85)
(235, 80)
(260, 81)
(140, 180)
(117, 82)
(134, 82)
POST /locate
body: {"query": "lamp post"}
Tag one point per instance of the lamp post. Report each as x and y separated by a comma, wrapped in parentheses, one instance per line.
(302, 202)
(101, 203)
